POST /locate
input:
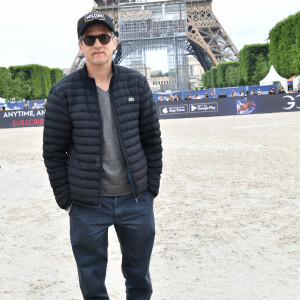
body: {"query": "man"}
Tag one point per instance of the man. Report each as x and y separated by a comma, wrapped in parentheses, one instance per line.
(212, 94)
(45, 103)
(272, 91)
(177, 97)
(188, 97)
(35, 106)
(102, 149)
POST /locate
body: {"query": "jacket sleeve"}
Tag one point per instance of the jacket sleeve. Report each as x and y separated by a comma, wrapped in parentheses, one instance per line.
(150, 136)
(56, 144)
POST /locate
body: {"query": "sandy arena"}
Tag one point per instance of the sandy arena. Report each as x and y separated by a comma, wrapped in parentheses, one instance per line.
(227, 217)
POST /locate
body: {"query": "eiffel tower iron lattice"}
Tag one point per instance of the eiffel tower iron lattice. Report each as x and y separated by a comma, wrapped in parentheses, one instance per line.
(206, 39)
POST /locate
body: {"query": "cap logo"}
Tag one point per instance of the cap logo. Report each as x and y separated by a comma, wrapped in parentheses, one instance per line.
(94, 15)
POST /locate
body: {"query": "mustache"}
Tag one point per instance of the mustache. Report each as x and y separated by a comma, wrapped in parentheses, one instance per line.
(99, 50)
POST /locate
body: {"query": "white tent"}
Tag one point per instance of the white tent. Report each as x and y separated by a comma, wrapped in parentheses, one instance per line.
(273, 77)
(296, 81)
(2, 100)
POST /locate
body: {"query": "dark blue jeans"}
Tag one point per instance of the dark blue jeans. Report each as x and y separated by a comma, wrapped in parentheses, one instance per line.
(134, 225)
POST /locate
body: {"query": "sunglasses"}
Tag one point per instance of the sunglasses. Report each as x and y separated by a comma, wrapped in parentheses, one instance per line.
(103, 38)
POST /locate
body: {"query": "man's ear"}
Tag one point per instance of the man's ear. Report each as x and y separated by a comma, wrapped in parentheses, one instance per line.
(80, 47)
(115, 41)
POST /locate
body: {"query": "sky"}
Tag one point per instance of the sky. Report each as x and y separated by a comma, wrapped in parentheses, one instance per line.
(44, 32)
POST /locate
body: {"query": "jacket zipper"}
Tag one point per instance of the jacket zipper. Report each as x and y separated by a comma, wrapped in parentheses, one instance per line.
(101, 148)
(121, 143)
(131, 184)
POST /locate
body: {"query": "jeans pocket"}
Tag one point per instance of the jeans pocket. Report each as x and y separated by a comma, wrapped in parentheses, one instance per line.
(150, 195)
(148, 198)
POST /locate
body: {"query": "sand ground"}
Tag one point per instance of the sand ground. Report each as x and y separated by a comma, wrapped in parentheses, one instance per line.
(227, 216)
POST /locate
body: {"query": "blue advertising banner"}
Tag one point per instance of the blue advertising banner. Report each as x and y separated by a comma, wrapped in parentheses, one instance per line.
(228, 106)
(180, 109)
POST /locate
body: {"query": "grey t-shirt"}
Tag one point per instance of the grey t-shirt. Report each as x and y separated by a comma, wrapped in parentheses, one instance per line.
(115, 180)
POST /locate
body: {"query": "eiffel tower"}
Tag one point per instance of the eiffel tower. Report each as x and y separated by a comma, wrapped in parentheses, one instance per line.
(206, 39)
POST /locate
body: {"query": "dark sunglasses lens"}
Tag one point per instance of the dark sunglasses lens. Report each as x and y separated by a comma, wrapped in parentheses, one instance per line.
(104, 38)
(89, 40)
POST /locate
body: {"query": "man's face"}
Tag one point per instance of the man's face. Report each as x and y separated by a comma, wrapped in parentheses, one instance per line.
(98, 54)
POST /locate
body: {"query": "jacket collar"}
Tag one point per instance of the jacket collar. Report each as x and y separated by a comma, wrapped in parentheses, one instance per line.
(90, 82)
(85, 72)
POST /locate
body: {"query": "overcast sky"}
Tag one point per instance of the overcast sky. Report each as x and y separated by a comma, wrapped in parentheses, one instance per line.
(44, 32)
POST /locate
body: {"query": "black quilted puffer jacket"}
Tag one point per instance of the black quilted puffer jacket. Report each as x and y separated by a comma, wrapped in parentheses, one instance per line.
(72, 142)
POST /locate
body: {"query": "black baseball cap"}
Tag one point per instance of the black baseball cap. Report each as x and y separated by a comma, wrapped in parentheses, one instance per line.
(94, 17)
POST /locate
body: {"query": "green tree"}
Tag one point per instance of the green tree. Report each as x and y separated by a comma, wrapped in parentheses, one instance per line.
(285, 46)
(36, 76)
(249, 55)
(261, 70)
(204, 80)
(15, 89)
(56, 74)
(5, 81)
(27, 82)
(213, 74)
(221, 73)
(208, 81)
(25, 88)
(232, 77)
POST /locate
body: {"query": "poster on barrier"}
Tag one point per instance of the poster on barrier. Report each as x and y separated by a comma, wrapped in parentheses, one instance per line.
(173, 109)
(22, 118)
(245, 106)
(203, 107)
